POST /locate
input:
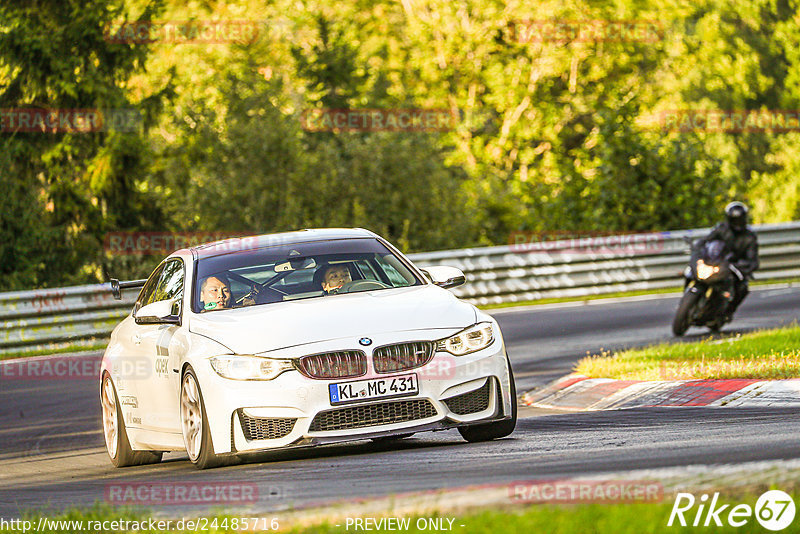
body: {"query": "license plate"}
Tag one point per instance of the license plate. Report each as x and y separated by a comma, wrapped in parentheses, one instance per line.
(376, 388)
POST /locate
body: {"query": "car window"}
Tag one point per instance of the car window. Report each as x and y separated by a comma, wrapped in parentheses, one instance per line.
(296, 271)
(366, 270)
(170, 285)
(394, 275)
(298, 277)
(147, 292)
(239, 288)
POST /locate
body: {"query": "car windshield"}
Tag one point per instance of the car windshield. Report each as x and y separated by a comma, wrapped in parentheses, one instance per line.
(297, 271)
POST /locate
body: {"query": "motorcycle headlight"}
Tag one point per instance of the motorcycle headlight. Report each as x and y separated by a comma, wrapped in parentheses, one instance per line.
(704, 271)
(474, 338)
(246, 367)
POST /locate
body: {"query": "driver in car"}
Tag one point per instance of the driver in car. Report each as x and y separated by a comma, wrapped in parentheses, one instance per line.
(335, 277)
(215, 293)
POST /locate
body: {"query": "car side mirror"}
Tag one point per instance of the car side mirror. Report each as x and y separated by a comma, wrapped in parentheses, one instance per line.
(446, 277)
(161, 312)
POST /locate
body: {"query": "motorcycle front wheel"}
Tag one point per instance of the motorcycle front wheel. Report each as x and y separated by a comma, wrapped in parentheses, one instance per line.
(681, 322)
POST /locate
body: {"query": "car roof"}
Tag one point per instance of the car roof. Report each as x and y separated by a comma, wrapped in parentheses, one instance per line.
(249, 243)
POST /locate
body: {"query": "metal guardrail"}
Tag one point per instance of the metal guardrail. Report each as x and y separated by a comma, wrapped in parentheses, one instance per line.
(570, 268)
(51, 318)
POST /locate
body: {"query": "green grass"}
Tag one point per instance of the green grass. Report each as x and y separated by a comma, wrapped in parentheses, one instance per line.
(618, 294)
(620, 518)
(765, 354)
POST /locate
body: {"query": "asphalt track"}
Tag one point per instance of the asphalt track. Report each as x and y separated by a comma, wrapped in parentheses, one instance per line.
(52, 454)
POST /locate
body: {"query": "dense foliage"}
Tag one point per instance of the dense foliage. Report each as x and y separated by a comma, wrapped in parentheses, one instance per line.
(551, 133)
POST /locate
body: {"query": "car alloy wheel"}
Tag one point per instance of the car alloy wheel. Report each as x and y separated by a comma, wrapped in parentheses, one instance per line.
(195, 427)
(191, 417)
(110, 428)
(115, 434)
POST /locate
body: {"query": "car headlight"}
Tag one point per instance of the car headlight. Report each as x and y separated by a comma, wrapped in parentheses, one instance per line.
(245, 367)
(474, 338)
(704, 271)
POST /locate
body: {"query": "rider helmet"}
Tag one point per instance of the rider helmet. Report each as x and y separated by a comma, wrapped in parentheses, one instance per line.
(736, 215)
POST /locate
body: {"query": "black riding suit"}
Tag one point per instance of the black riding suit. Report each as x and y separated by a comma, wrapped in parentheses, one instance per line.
(743, 246)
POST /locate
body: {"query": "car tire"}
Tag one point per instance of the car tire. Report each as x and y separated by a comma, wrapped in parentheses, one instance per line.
(116, 435)
(498, 429)
(194, 424)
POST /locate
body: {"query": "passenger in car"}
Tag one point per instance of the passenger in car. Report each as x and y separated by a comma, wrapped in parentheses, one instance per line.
(215, 292)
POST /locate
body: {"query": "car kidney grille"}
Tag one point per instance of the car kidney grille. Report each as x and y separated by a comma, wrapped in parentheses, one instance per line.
(472, 402)
(343, 364)
(372, 414)
(264, 428)
(402, 356)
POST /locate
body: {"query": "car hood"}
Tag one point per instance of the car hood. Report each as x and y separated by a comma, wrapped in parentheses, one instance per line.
(267, 327)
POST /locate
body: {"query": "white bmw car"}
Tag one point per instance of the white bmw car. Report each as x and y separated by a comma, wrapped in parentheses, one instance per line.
(298, 339)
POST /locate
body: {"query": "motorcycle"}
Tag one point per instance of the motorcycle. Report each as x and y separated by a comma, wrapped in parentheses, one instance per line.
(708, 288)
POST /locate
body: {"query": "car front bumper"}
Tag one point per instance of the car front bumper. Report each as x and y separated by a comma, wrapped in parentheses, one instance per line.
(293, 410)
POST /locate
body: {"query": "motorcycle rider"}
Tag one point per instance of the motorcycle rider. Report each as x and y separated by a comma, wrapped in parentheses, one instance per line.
(743, 246)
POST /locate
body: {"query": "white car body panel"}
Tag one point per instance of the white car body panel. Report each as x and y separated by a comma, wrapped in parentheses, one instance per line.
(272, 327)
(146, 363)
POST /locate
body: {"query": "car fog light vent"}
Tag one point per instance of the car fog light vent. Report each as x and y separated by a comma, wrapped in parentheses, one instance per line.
(472, 402)
(341, 364)
(255, 428)
(365, 415)
(402, 356)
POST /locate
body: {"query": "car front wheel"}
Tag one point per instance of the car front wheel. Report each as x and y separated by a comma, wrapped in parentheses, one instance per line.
(194, 424)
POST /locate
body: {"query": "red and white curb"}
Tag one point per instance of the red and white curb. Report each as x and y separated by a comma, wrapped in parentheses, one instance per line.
(578, 392)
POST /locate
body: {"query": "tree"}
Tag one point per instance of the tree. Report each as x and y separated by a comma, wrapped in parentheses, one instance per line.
(53, 56)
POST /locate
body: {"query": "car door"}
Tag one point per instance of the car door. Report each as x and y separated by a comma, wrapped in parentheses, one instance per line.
(157, 392)
(130, 365)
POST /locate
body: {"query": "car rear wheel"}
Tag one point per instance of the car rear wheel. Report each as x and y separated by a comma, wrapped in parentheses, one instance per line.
(194, 424)
(498, 429)
(115, 434)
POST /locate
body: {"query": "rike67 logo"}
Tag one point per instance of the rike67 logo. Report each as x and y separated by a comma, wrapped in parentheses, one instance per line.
(774, 511)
